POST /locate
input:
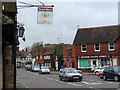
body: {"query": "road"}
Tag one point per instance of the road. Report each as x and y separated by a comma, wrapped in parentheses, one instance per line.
(34, 80)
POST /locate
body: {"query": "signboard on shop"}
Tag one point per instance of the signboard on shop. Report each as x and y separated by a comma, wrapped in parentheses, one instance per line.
(100, 56)
(45, 15)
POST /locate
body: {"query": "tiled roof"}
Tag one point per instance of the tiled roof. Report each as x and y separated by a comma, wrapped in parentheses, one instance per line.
(97, 35)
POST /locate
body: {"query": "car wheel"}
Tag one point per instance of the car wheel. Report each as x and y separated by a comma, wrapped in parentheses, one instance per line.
(104, 77)
(66, 79)
(60, 79)
(96, 73)
(116, 78)
(80, 79)
(101, 77)
(40, 72)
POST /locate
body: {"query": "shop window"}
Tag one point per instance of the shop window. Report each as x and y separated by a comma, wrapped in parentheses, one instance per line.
(96, 47)
(84, 48)
(84, 63)
(105, 62)
(111, 47)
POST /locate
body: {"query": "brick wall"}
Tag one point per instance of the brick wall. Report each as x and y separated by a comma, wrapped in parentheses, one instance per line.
(65, 54)
(103, 50)
(65, 51)
(9, 67)
(1, 78)
(118, 45)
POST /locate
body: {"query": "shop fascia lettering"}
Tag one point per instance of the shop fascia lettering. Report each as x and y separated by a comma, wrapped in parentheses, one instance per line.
(100, 56)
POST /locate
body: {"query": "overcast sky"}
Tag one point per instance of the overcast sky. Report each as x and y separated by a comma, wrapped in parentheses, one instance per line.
(66, 18)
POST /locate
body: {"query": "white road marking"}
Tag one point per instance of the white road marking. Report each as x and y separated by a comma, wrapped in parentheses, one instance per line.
(56, 80)
(90, 87)
(90, 83)
(98, 81)
(74, 84)
(94, 83)
(85, 82)
(91, 80)
(48, 78)
(24, 85)
(112, 82)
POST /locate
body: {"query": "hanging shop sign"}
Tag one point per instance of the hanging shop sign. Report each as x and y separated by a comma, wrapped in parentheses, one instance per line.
(45, 15)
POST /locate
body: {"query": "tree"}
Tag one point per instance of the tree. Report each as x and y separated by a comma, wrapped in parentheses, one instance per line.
(59, 54)
(36, 47)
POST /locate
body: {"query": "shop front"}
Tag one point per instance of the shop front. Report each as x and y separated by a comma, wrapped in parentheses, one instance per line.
(91, 62)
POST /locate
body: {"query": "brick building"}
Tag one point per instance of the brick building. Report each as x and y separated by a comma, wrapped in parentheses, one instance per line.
(69, 56)
(97, 46)
(51, 55)
(46, 57)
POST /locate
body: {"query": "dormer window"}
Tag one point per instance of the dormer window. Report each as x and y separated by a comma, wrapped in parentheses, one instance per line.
(96, 47)
(111, 47)
(83, 48)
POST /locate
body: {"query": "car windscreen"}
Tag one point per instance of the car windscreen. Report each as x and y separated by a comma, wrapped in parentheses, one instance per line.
(102, 68)
(44, 67)
(71, 71)
(36, 67)
(117, 68)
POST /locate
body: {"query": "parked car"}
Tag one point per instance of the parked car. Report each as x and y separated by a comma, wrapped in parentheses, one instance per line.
(100, 74)
(97, 70)
(70, 74)
(28, 67)
(44, 69)
(35, 68)
(112, 72)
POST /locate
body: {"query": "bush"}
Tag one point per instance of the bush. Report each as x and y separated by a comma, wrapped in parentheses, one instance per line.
(29, 62)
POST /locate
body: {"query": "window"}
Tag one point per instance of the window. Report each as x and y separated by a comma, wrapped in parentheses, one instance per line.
(111, 47)
(40, 56)
(84, 48)
(96, 47)
(69, 52)
(36, 57)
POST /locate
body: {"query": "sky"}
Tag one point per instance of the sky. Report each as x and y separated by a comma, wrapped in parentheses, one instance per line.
(67, 18)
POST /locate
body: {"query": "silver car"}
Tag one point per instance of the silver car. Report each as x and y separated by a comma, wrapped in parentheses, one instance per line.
(44, 69)
(35, 68)
(70, 74)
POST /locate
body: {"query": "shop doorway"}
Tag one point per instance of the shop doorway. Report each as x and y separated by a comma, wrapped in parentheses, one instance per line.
(93, 64)
(71, 63)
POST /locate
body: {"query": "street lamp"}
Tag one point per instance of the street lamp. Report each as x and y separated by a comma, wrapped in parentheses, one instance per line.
(21, 31)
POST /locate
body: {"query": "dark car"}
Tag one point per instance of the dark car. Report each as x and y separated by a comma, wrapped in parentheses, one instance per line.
(27, 67)
(70, 74)
(112, 72)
